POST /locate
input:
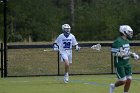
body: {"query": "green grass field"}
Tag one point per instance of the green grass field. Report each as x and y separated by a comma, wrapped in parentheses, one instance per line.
(26, 62)
(54, 84)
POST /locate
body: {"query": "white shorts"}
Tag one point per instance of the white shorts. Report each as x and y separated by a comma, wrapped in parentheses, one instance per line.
(66, 55)
(125, 78)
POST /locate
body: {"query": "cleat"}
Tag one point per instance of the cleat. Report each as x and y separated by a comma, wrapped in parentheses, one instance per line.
(66, 79)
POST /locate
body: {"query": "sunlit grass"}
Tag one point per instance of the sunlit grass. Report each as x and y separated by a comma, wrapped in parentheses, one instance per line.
(24, 62)
(54, 84)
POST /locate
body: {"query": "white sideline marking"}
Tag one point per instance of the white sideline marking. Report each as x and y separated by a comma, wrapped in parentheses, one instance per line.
(85, 82)
(97, 84)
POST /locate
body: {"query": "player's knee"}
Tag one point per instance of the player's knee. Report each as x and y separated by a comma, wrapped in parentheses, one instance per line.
(66, 64)
(125, 79)
(129, 77)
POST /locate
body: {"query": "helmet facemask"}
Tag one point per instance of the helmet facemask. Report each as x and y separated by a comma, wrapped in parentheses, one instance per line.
(129, 34)
(66, 29)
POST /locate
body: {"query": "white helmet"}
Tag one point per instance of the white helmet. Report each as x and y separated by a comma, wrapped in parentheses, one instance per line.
(66, 29)
(126, 30)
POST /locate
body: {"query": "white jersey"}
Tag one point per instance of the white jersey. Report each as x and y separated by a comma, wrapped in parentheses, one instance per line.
(65, 45)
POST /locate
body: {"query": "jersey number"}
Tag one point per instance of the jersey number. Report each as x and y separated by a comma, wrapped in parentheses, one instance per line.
(66, 45)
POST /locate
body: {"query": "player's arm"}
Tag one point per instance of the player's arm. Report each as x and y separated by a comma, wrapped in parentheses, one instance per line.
(135, 56)
(75, 44)
(120, 52)
(55, 44)
(55, 47)
(77, 48)
(117, 50)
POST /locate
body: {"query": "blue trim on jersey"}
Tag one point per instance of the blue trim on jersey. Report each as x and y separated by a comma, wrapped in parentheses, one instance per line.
(114, 50)
(66, 35)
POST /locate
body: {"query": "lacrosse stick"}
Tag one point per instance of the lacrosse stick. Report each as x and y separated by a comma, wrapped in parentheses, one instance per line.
(48, 50)
(96, 47)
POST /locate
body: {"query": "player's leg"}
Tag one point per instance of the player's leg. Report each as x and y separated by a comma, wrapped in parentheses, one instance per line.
(127, 85)
(64, 58)
(120, 83)
(129, 78)
(121, 79)
(117, 84)
(68, 61)
(66, 76)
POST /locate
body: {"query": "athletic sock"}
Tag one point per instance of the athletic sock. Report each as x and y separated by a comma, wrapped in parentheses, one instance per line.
(67, 74)
(113, 85)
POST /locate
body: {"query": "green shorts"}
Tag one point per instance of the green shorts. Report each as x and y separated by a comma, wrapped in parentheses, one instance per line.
(123, 71)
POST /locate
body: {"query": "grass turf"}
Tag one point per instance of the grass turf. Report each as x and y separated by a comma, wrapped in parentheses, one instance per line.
(25, 62)
(54, 84)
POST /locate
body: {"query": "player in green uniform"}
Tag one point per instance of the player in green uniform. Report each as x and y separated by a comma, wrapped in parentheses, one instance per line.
(121, 52)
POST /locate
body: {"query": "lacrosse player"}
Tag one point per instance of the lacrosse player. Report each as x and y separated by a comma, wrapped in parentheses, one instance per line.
(121, 52)
(63, 44)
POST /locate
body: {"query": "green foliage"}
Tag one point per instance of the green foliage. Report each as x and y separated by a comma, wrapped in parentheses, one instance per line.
(14, 37)
(100, 20)
(93, 19)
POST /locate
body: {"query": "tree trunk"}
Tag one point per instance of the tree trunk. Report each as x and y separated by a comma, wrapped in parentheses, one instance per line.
(72, 13)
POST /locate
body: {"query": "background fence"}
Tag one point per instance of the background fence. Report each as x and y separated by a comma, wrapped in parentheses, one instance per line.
(32, 60)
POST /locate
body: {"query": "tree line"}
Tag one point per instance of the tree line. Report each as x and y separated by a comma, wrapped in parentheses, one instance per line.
(91, 20)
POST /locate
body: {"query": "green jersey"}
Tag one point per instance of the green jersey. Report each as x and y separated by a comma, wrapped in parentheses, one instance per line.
(124, 44)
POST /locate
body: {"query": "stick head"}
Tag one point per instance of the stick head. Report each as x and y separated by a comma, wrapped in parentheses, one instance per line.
(96, 47)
